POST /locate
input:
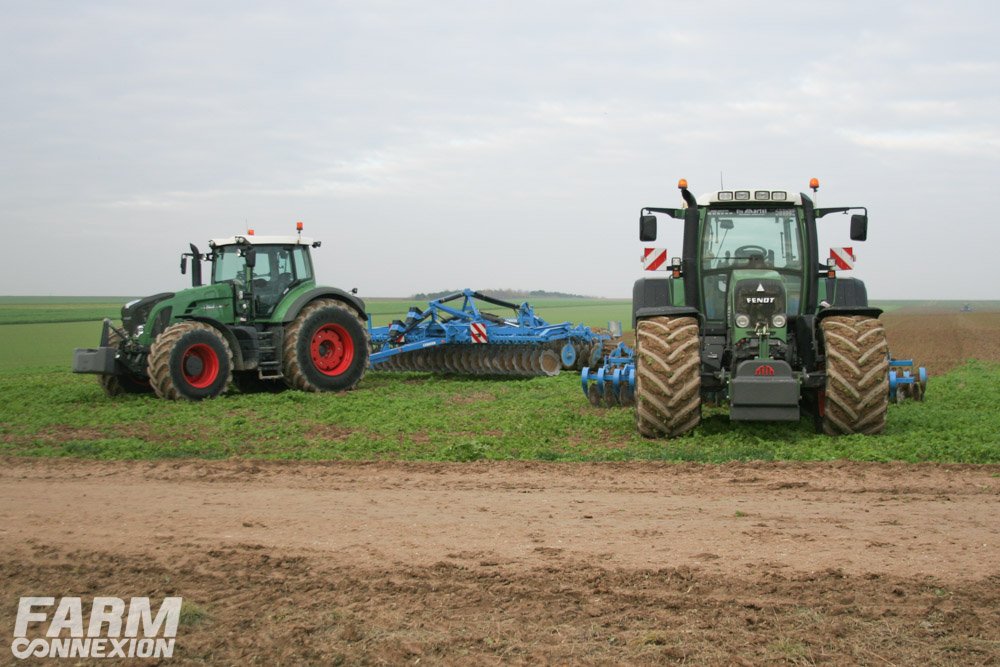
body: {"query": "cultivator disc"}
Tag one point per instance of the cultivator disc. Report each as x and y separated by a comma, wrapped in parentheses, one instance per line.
(906, 381)
(611, 381)
(514, 360)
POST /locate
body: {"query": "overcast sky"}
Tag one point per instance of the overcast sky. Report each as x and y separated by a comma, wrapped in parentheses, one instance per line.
(469, 144)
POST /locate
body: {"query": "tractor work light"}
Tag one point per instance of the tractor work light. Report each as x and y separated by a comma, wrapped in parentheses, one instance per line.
(742, 321)
(762, 195)
(779, 321)
(742, 195)
(675, 267)
(831, 268)
(779, 195)
(725, 195)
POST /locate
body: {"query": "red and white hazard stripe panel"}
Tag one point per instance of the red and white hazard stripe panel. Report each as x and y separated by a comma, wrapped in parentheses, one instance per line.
(478, 331)
(654, 259)
(844, 258)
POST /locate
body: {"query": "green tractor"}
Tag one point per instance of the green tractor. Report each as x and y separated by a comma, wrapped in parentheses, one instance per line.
(750, 316)
(261, 322)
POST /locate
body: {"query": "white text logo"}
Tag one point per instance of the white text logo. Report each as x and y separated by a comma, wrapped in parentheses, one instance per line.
(113, 629)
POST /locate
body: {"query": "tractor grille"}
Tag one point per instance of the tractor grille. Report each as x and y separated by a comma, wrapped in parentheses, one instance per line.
(760, 299)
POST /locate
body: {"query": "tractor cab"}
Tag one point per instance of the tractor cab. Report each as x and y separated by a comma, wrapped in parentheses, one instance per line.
(262, 268)
(255, 272)
(747, 245)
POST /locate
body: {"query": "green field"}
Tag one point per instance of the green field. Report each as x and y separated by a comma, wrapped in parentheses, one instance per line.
(39, 310)
(48, 411)
(424, 417)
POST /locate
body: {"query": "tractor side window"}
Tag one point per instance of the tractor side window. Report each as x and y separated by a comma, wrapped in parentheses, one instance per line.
(793, 292)
(262, 269)
(715, 288)
(303, 268)
(228, 264)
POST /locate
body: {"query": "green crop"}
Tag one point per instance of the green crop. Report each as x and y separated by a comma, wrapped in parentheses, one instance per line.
(417, 416)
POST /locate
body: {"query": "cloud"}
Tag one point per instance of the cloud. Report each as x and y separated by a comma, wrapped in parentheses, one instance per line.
(531, 130)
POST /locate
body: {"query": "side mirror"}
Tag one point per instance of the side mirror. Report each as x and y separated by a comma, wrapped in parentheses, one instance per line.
(859, 227)
(251, 257)
(184, 264)
(647, 228)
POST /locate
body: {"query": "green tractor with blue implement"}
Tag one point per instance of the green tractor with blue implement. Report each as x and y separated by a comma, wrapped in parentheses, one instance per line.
(259, 322)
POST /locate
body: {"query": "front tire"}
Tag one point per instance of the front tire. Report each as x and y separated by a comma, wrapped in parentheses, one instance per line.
(124, 383)
(668, 376)
(857, 375)
(190, 360)
(325, 348)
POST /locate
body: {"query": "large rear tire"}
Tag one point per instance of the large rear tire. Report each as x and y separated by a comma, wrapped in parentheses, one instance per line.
(325, 348)
(857, 375)
(668, 376)
(190, 360)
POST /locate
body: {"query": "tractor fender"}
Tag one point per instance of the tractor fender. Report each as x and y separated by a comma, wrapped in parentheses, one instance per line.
(847, 310)
(227, 333)
(324, 292)
(668, 311)
(839, 310)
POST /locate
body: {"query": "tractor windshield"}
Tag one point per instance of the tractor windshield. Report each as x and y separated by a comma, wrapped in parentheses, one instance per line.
(275, 265)
(751, 238)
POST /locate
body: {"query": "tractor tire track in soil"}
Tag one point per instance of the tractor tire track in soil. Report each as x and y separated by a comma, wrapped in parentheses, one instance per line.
(523, 563)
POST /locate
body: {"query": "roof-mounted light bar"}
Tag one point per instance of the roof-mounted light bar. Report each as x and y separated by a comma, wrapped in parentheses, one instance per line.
(755, 195)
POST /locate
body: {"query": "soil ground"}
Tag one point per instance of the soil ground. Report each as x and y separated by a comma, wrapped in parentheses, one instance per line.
(490, 563)
(533, 563)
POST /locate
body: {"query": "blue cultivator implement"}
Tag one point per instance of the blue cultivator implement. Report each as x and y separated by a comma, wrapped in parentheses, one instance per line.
(454, 334)
(906, 381)
(613, 382)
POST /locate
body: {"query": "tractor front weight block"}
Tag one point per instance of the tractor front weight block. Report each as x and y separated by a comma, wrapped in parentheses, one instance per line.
(764, 390)
(100, 360)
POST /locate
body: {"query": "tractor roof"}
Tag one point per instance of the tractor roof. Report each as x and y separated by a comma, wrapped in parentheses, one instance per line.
(751, 196)
(262, 240)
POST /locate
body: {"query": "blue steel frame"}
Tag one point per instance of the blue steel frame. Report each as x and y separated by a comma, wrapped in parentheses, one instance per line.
(444, 324)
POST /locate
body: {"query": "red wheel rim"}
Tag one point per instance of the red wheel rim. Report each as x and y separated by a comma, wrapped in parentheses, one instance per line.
(332, 349)
(200, 365)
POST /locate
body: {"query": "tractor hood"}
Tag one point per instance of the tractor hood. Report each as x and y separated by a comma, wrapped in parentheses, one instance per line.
(135, 313)
(758, 295)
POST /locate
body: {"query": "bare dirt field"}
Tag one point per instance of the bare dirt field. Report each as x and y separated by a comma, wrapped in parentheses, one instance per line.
(490, 563)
